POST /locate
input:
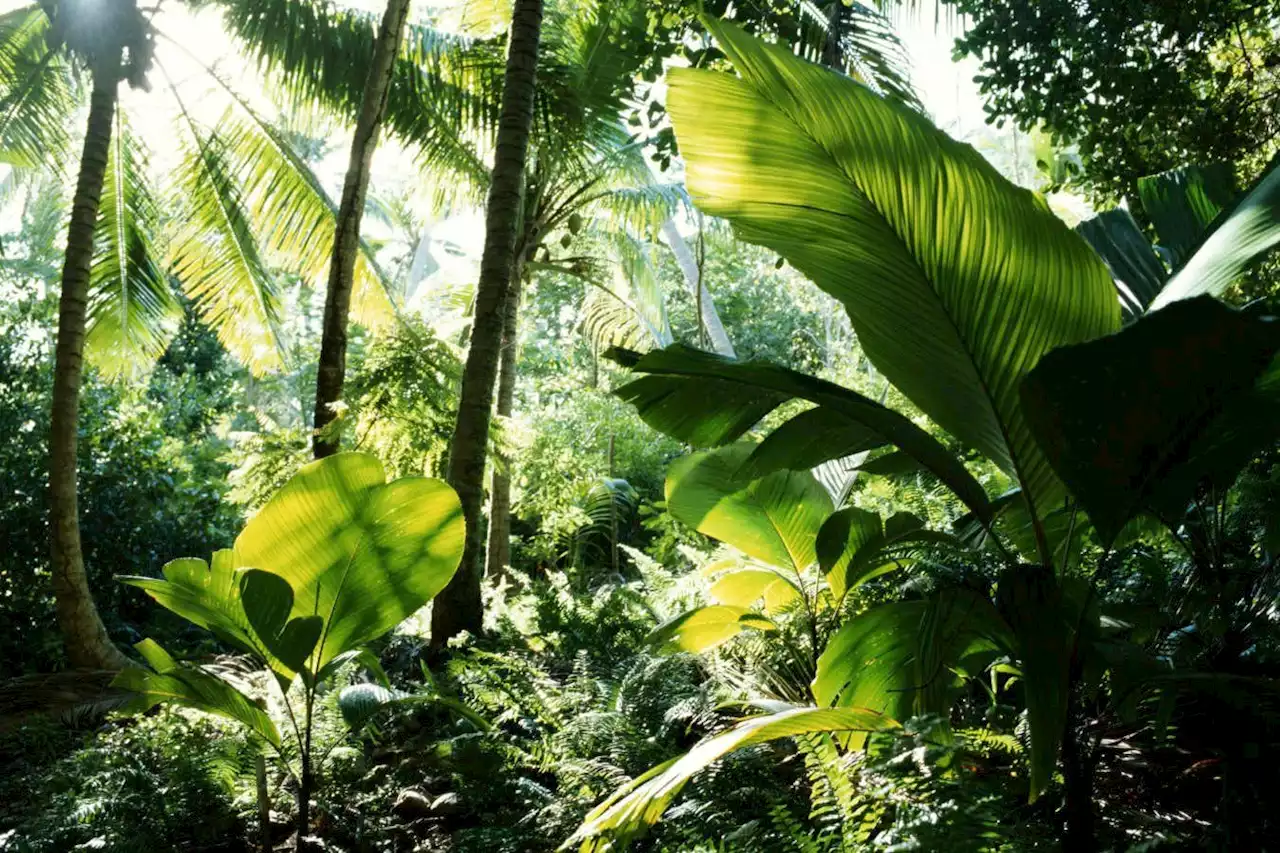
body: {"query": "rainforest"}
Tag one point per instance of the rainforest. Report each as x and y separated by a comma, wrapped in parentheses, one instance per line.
(684, 426)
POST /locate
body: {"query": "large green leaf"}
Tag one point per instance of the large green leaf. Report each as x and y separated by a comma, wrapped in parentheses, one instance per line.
(905, 658)
(635, 807)
(1242, 234)
(704, 628)
(1183, 203)
(359, 552)
(744, 587)
(854, 546)
(1139, 273)
(709, 400)
(841, 538)
(956, 281)
(268, 600)
(207, 594)
(172, 683)
(1140, 420)
(774, 519)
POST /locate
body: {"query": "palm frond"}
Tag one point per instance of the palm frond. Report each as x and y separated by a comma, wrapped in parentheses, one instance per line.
(643, 206)
(443, 92)
(292, 215)
(216, 257)
(859, 40)
(636, 262)
(38, 97)
(133, 313)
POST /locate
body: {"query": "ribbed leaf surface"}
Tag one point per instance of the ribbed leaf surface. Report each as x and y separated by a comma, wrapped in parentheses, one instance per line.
(956, 281)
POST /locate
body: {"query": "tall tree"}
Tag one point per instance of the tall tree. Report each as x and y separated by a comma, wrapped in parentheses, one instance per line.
(458, 608)
(498, 554)
(113, 41)
(1140, 88)
(346, 241)
(245, 202)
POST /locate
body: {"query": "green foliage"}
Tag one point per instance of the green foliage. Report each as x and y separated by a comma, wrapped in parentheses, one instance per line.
(1145, 419)
(350, 556)
(99, 791)
(960, 333)
(152, 482)
(1139, 88)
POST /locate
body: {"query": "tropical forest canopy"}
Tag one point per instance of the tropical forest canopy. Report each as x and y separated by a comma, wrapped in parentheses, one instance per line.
(535, 425)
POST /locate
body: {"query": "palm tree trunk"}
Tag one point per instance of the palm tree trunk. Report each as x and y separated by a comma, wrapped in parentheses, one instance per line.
(458, 607)
(702, 296)
(346, 238)
(500, 484)
(87, 642)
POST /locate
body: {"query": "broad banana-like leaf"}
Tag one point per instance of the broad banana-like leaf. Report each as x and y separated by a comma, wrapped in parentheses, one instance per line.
(842, 536)
(173, 683)
(1139, 421)
(636, 807)
(956, 281)
(1139, 273)
(1048, 620)
(1183, 203)
(810, 439)
(905, 658)
(336, 558)
(709, 400)
(705, 628)
(746, 586)
(1243, 233)
(359, 552)
(774, 519)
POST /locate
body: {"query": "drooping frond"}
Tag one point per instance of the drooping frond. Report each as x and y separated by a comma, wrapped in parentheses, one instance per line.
(291, 214)
(36, 92)
(608, 320)
(216, 258)
(443, 92)
(636, 261)
(858, 39)
(642, 207)
(132, 310)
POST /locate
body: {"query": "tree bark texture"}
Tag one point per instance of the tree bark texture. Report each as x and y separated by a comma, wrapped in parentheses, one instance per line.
(458, 607)
(689, 267)
(499, 555)
(87, 642)
(346, 238)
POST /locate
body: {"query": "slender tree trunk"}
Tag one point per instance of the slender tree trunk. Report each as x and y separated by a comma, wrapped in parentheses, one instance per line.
(86, 637)
(458, 607)
(689, 267)
(346, 238)
(832, 49)
(264, 802)
(500, 483)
